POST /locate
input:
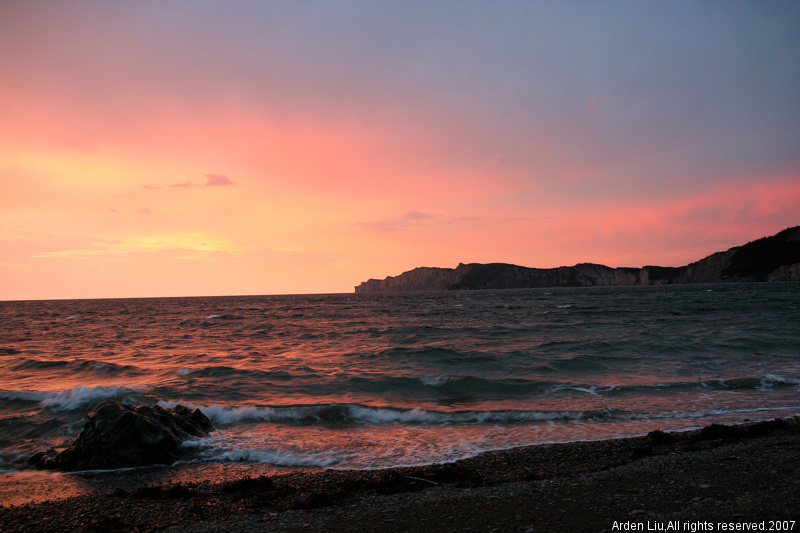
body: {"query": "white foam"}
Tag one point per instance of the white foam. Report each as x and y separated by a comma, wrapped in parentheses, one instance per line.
(353, 414)
(76, 397)
(283, 457)
(222, 416)
(770, 380)
(594, 390)
(224, 446)
(395, 416)
(438, 381)
(230, 415)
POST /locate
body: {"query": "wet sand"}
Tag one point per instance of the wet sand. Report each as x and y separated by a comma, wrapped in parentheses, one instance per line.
(691, 481)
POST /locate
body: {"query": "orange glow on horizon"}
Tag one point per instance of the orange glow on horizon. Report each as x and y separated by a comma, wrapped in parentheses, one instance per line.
(452, 146)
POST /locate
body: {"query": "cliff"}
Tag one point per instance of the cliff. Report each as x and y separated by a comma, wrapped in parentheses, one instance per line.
(775, 258)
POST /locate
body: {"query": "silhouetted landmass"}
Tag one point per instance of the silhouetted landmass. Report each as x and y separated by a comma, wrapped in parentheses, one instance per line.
(757, 260)
(775, 258)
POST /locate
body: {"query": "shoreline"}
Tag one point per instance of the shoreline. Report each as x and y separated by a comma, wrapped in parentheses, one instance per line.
(742, 473)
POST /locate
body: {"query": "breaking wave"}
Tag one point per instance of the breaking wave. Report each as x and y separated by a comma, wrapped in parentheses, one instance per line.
(79, 398)
(360, 415)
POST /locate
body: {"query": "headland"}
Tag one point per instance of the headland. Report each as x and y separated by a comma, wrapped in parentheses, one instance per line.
(775, 258)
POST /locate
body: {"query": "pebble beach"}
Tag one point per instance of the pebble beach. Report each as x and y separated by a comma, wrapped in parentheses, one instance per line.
(718, 478)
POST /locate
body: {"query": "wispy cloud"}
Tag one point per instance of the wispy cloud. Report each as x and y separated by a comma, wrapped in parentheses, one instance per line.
(182, 241)
(415, 215)
(213, 180)
(407, 219)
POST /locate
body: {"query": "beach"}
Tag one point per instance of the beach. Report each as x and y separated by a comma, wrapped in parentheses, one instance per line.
(701, 480)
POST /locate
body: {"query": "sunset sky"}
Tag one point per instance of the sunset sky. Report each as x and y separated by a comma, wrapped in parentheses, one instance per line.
(180, 148)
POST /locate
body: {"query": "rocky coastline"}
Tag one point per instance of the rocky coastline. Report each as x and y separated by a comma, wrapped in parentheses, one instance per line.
(775, 258)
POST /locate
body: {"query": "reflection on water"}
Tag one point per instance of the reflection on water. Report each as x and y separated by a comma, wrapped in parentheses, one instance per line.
(369, 381)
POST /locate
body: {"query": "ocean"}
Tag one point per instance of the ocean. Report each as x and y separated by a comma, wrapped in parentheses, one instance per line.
(365, 381)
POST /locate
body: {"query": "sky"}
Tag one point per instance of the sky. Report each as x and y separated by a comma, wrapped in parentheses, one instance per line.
(196, 148)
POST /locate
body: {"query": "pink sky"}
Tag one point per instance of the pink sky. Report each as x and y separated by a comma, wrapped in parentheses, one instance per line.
(216, 148)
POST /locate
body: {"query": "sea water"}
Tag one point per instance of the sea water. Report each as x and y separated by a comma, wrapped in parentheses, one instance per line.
(376, 380)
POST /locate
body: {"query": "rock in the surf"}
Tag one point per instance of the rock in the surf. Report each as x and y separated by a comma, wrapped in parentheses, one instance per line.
(121, 436)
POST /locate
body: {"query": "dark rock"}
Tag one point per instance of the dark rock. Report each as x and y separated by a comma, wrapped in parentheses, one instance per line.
(122, 436)
(759, 429)
(718, 431)
(658, 437)
(762, 429)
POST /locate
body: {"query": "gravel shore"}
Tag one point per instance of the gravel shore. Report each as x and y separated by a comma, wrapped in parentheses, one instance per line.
(692, 481)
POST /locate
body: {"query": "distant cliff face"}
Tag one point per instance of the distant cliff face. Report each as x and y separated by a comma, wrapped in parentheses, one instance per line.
(775, 258)
(419, 279)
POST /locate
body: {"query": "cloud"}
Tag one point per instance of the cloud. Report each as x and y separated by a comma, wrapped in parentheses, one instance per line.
(415, 215)
(211, 181)
(145, 210)
(411, 219)
(218, 179)
(405, 220)
(84, 247)
(384, 225)
(188, 241)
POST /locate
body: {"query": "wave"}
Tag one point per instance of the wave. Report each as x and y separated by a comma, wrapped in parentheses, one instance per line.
(225, 316)
(438, 381)
(360, 415)
(470, 386)
(216, 449)
(78, 366)
(81, 397)
(356, 414)
(222, 371)
(430, 351)
(463, 384)
(379, 448)
(771, 380)
(767, 382)
(260, 387)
